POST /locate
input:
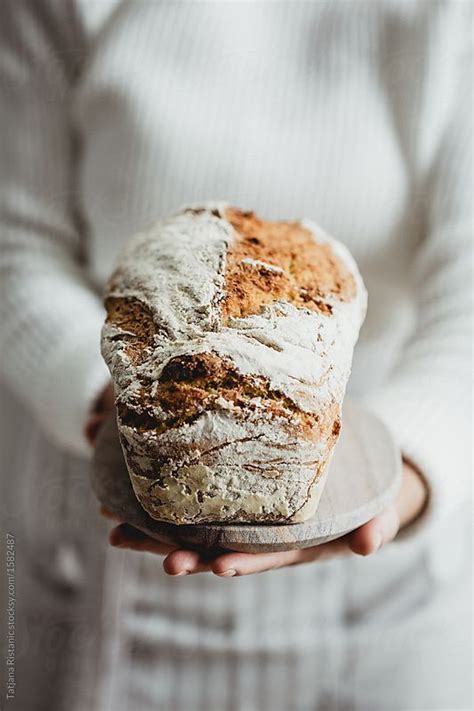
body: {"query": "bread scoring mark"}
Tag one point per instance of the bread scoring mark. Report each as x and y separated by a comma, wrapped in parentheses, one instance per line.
(192, 384)
(273, 261)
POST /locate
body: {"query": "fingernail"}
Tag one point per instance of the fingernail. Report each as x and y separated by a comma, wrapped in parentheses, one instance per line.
(228, 573)
(183, 572)
(378, 541)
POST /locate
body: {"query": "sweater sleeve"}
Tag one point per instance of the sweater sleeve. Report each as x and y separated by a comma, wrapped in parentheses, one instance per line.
(427, 400)
(51, 317)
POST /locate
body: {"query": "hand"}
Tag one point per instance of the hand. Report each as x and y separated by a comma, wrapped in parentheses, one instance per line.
(363, 541)
(102, 408)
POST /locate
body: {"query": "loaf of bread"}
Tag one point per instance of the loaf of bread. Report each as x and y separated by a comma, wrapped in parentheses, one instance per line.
(229, 339)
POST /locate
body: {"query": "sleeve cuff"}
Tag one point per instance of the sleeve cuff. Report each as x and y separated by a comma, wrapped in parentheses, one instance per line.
(434, 444)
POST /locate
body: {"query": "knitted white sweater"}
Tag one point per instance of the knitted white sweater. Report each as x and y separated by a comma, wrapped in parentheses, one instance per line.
(357, 115)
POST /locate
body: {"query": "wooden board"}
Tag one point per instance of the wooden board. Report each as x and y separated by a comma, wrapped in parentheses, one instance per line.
(364, 476)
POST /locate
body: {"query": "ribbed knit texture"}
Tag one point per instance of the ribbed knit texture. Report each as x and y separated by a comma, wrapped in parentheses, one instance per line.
(357, 115)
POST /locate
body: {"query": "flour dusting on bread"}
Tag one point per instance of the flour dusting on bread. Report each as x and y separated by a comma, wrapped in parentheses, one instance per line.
(229, 339)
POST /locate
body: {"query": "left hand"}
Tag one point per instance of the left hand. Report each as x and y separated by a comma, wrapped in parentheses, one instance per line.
(365, 540)
(100, 411)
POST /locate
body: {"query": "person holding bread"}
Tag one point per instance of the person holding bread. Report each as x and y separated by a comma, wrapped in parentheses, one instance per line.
(355, 117)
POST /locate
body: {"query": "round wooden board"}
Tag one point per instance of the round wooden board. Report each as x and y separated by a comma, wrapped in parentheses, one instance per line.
(364, 476)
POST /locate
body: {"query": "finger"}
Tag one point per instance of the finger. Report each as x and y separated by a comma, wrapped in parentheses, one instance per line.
(92, 428)
(108, 514)
(238, 564)
(185, 562)
(375, 533)
(126, 536)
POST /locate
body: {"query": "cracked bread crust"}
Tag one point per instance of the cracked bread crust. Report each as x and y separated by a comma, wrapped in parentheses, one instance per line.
(272, 261)
(229, 340)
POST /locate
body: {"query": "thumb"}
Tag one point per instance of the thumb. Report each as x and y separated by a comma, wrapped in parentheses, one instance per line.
(375, 533)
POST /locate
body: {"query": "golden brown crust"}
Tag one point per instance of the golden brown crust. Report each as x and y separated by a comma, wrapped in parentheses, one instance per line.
(204, 441)
(310, 271)
(191, 384)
